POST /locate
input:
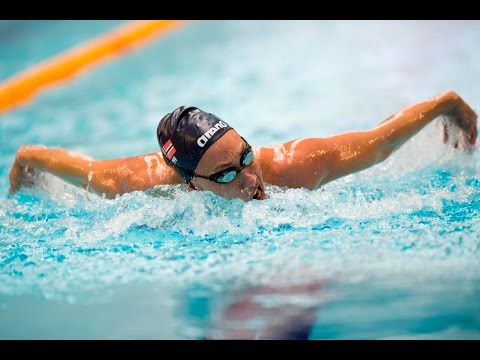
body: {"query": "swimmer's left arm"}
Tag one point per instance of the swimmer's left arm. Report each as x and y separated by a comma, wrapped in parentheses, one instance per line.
(313, 162)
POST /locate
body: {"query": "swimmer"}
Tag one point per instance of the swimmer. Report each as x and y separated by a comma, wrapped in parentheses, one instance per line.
(205, 153)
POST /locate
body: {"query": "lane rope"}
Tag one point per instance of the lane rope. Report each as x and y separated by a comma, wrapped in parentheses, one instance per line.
(22, 87)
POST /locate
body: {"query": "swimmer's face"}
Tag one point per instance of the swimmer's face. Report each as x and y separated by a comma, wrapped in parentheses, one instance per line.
(226, 153)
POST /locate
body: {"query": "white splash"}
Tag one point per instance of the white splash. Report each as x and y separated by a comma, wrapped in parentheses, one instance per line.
(279, 153)
(158, 168)
(148, 160)
(161, 166)
(291, 153)
(256, 151)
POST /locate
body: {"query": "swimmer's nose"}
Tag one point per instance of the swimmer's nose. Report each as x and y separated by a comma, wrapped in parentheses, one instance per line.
(249, 178)
(252, 186)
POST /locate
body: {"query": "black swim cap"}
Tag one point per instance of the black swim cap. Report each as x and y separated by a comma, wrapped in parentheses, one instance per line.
(185, 134)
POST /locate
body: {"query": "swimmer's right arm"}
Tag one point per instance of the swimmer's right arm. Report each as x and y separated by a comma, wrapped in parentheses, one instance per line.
(313, 162)
(355, 151)
(103, 177)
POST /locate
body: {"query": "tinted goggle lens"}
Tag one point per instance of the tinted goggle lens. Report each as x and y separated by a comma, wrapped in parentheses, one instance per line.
(227, 176)
(230, 174)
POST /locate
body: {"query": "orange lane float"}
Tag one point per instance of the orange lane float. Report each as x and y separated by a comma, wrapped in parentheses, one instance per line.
(22, 87)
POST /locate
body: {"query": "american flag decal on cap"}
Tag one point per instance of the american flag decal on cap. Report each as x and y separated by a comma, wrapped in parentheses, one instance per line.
(169, 149)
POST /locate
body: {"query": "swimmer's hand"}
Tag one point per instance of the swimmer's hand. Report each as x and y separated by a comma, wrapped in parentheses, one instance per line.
(20, 175)
(459, 123)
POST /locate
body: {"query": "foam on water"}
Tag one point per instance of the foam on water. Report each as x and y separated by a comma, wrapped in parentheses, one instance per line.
(59, 239)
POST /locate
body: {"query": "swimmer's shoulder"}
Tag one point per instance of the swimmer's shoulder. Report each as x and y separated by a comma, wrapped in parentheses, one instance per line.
(277, 155)
(274, 162)
(297, 163)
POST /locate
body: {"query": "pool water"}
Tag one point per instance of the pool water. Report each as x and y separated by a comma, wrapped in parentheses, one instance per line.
(388, 253)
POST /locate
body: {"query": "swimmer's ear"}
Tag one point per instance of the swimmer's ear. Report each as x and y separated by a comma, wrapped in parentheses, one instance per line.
(191, 187)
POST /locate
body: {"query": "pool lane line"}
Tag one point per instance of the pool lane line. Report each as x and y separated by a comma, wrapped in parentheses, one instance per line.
(20, 88)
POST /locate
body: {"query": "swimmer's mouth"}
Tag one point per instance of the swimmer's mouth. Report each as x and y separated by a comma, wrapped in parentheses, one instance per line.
(259, 193)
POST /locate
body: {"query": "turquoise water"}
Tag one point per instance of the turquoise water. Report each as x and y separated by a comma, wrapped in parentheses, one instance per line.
(26, 43)
(392, 252)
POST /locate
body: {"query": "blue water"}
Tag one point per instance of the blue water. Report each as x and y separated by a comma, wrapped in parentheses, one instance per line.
(391, 252)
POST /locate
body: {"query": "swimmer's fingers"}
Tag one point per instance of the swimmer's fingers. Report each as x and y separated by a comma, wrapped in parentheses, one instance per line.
(28, 176)
(463, 116)
(20, 176)
(460, 125)
(468, 127)
(445, 133)
(472, 136)
(460, 132)
(15, 176)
